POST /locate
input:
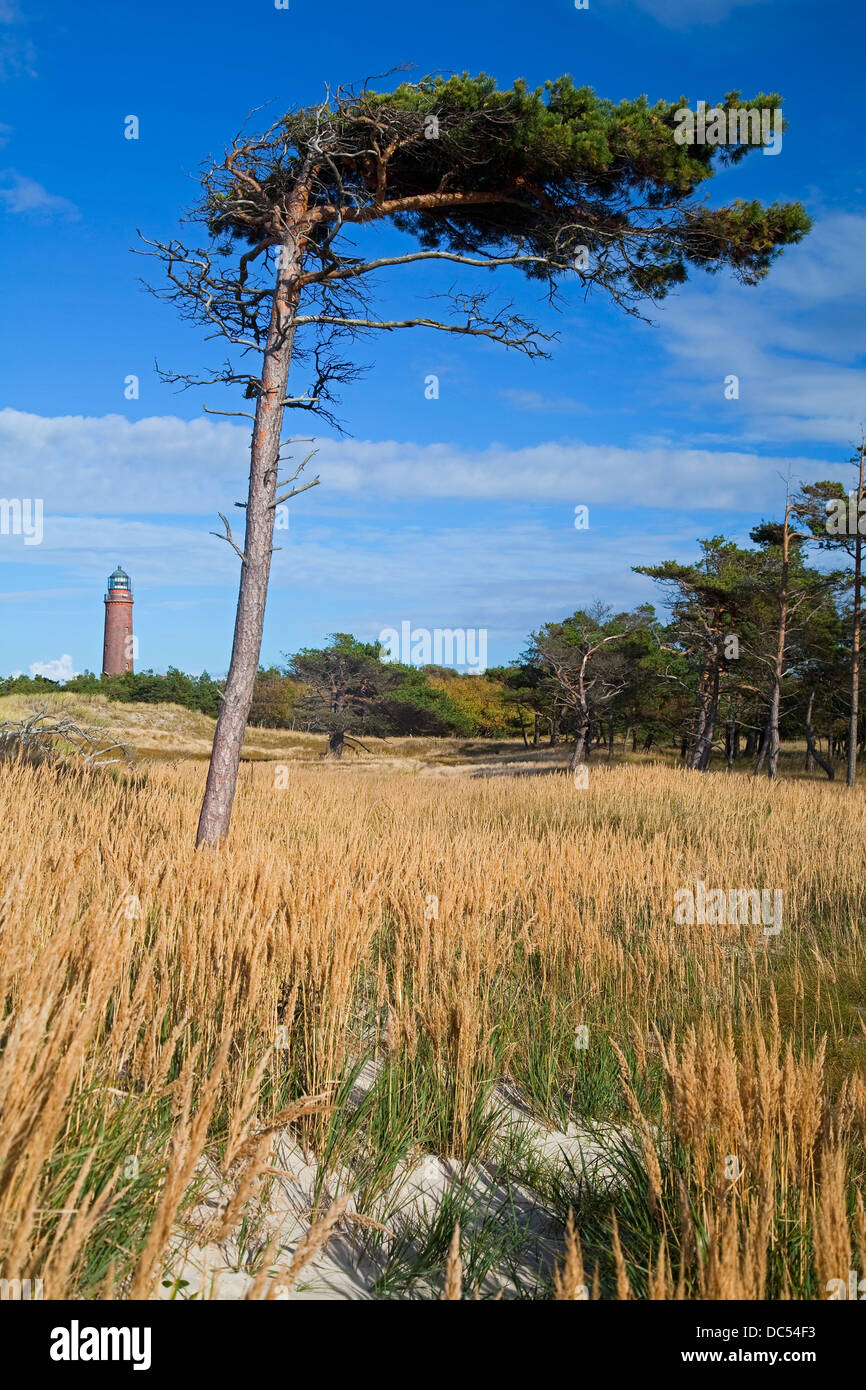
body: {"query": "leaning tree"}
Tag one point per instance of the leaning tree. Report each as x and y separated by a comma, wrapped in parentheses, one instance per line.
(844, 531)
(556, 183)
(711, 601)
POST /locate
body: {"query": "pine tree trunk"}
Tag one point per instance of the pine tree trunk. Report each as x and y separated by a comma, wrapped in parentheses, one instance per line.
(763, 744)
(522, 726)
(581, 745)
(336, 741)
(773, 731)
(771, 746)
(812, 745)
(222, 774)
(707, 726)
(730, 743)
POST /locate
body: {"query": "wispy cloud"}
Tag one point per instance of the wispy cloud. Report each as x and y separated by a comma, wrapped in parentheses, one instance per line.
(506, 578)
(543, 405)
(687, 14)
(795, 343)
(17, 53)
(20, 194)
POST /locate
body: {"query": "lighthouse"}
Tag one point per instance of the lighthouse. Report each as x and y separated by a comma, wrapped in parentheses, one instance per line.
(117, 650)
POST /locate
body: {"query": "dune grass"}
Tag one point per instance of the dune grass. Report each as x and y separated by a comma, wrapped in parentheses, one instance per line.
(160, 1008)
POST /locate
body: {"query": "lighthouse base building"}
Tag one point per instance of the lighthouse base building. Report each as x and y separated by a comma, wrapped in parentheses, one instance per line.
(119, 643)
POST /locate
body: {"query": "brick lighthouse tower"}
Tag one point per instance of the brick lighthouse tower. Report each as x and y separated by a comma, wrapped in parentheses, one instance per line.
(118, 645)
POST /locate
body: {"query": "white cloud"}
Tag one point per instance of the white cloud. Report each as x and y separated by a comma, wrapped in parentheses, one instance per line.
(86, 463)
(60, 669)
(655, 477)
(167, 466)
(19, 194)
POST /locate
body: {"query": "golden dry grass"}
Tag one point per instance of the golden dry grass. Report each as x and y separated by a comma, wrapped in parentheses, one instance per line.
(170, 732)
(160, 1005)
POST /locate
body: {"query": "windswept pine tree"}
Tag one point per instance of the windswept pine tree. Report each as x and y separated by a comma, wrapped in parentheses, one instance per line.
(589, 671)
(836, 521)
(711, 602)
(797, 593)
(347, 690)
(556, 183)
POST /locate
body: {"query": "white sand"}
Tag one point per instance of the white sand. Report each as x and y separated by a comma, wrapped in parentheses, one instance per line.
(341, 1269)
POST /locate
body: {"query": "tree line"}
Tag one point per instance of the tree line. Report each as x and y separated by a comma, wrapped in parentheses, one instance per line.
(758, 644)
(200, 693)
(761, 644)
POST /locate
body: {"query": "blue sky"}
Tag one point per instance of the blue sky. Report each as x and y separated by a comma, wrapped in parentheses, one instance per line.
(456, 512)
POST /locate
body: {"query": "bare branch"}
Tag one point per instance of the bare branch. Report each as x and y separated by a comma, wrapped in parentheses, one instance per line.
(294, 493)
(245, 413)
(500, 332)
(348, 272)
(228, 537)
